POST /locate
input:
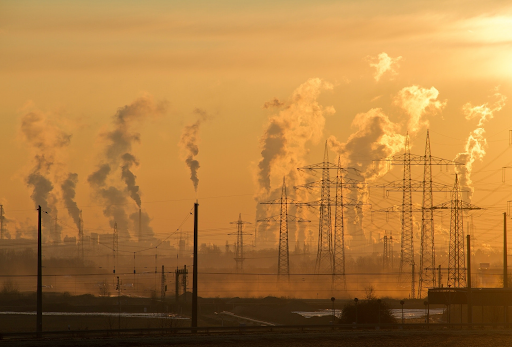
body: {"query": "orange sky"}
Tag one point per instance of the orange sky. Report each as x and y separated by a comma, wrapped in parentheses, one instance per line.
(77, 63)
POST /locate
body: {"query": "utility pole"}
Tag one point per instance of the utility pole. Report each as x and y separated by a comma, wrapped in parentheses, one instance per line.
(505, 252)
(39, 322)
(194, 271)
(81, 236)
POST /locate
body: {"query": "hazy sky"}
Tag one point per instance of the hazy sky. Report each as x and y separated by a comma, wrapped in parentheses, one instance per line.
(69, 68)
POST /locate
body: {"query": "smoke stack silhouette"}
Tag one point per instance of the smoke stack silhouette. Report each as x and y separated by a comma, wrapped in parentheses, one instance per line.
(68, 194)
(118, 161)
(189, 145)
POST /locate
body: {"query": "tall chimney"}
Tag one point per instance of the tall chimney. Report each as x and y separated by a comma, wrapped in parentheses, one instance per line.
(140, 224)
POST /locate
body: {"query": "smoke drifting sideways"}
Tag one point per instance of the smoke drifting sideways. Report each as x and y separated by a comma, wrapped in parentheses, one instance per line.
(476, 143)
(294, 124)
(384, 63)
(47, 141)
(113, 182)
(189, 145)
(376, 137)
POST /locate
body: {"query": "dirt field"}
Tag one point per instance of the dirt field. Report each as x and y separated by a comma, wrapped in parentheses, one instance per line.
(357, 339)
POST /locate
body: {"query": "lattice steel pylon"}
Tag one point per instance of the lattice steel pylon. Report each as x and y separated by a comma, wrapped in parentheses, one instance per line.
(456, 258)
(239, 247)
(324, 257)
(283, 260)
(387, 253)
(339, 228)
(406, 237)
(427, 278)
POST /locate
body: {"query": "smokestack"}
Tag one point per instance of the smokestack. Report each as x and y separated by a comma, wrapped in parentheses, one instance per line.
(194, 272)
(140, 224)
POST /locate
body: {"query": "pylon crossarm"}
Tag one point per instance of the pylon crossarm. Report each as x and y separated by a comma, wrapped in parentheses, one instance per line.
(278, 219)
(464, 206)
(415, 186)
(416, 159)
(397, 208)
(330, 166)
(279, 201)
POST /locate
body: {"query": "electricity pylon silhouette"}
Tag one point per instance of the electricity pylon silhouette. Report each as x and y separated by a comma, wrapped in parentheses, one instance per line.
(456, 258)
(239, 248)
(283, 260)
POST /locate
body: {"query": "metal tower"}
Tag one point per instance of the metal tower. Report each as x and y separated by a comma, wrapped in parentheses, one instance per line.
(283, 261)
(324, 256)
(163, 286)
(406, 237)
(387, 254)
(427, 278)
(456, 259)
(339, 227)
(239, 249)
(115, 245)
(407, 186)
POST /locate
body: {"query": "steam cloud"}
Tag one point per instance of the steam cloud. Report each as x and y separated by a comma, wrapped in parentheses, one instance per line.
(68, 194)
(476, 142)
(299, 121)
(118, 159)
(417, 101)
(189, 144)
(47, 141)
(384, 63)
(375, 137)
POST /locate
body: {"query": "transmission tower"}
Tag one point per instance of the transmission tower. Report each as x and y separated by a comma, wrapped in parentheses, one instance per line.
(115, 245)
(427, 278)
(239, 248)
(327, 253)
(339, 227)
(163, 286)
(456, 259)
(407, 186)
(283, 261)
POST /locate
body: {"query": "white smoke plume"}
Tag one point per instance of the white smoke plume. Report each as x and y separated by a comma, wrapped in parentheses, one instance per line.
(417, 102)
(117, 162)
(189, 145)
(375, 137)
(476, 142)
(297, 122)
(46, 140)
(384, 63)
(68, 195)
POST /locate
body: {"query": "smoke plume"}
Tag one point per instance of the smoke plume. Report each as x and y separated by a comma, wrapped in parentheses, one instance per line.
(375, 137)
(47, 141)
(417, 102)
(118, 160)
(189, 144)
(384, 63)
(298, 121)
(476, 142)
(68, 194)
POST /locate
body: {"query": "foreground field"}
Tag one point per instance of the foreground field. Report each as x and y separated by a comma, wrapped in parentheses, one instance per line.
(481, 338)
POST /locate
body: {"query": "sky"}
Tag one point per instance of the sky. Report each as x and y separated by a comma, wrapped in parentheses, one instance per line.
(217, 101)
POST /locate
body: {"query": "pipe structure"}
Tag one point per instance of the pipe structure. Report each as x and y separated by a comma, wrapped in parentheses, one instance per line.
(39, 320)
(194, 272)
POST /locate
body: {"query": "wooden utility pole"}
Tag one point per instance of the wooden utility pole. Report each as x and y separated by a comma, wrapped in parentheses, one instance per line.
(39, 321)
(194, 271)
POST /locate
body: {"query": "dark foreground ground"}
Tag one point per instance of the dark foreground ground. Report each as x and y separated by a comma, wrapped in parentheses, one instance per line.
(478, 338)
